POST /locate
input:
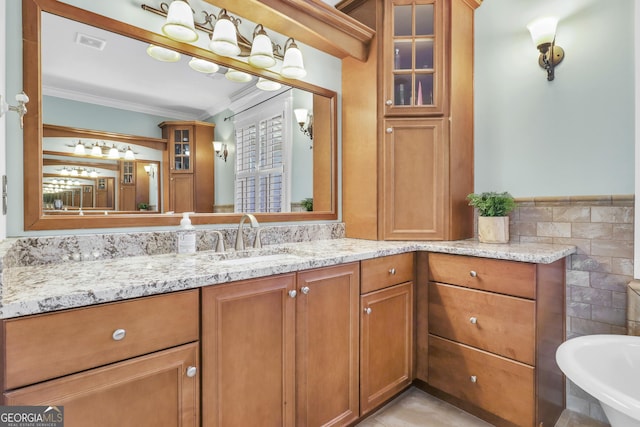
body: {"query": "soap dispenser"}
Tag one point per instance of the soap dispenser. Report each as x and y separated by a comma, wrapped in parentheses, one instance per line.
(186, 235)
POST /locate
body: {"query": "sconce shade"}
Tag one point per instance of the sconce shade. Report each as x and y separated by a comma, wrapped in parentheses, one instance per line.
(162, 54)
(261, 49)
(292, 64)
(93, 174)
(237, 76)
(203, 66)
(128, 155)
(543, 31)
(113, 153)
(268, 85)
(301, 115)
(179, 25)
(217, 146)
(224, 40)
(96, 150)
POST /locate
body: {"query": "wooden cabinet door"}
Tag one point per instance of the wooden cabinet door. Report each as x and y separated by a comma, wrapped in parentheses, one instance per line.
(154, 390)
(248, 353)
(181, 192)
(327, 331)
(127, 197)
(415, 175)
(386, 344)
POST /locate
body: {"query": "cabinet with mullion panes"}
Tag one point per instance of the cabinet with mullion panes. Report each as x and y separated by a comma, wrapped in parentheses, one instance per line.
(414, 58)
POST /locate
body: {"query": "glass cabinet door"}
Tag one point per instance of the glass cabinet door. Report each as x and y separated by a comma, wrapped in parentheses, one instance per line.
(181, 153)
(414, 57)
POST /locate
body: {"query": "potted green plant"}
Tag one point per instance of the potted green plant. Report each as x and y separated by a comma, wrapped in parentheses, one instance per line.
(493, 215)
(143, 206)
(307, 204)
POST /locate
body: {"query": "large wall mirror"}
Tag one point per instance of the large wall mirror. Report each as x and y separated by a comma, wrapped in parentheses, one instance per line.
(115, 138)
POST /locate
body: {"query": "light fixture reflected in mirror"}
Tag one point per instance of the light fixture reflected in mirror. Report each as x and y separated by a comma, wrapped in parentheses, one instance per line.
(79, 149)
(162, 54)
(268, 85)
(237, 76)
(543, 34)
(305, 120)
(203, 66)
(128, 154)
(150, 170)
(179, 25)
(221, 150)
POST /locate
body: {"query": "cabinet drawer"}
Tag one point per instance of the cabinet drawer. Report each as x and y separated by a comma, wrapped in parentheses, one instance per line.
(379, 273)
(50, 345)
(506, 277)
(495, 384)
(497, 323)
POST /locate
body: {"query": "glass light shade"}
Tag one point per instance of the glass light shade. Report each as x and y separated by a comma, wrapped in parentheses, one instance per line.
(203, 66)
(217, 146)
(128, 155)
(163, 54)
(74, 172)
(301, 114)
(84, 173)
(79, 149)
(262, 52)
(292, 65)
(93, 174)
(224, 41)
(237, 76)
(113, 153)
(543, 30)
(96, 150)
(269, 85)
(147, 168)
(64, 172)
(179, 25)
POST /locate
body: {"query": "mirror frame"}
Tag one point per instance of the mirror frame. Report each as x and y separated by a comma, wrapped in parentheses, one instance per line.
(33, 128)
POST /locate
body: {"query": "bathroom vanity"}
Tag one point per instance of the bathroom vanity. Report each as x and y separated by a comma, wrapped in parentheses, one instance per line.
(298, 333)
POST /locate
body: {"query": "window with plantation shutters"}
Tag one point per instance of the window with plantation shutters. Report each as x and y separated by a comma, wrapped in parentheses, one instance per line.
(262, 159)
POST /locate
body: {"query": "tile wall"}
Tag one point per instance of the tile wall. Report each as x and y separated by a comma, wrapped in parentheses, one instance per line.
(597, 275)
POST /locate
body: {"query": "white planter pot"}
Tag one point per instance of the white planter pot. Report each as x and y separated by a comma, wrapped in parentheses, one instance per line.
(493, 229)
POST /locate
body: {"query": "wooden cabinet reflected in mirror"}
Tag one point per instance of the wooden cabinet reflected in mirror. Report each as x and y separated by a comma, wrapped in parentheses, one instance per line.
(64, 98)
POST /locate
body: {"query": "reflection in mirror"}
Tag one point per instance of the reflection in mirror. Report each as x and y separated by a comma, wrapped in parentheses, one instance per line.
(99, 81)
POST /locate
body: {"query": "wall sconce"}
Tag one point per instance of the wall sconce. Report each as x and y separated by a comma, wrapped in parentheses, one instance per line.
(151, 171)
(221, 150)
(305, 120)
(543, 34)
(21, 108)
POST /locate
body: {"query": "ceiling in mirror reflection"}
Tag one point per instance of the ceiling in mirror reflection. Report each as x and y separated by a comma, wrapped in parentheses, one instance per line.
(88, 64)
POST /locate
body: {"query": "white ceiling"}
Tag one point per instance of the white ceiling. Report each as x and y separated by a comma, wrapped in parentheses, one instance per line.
(122, 75)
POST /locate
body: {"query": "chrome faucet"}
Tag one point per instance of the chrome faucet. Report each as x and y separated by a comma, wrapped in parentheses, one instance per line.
(240, 236)
(220, 244)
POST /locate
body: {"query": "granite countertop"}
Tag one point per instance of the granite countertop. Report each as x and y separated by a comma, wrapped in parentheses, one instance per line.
(44, 288)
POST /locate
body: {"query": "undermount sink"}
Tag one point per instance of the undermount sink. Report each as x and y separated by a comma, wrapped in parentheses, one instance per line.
(255, 256)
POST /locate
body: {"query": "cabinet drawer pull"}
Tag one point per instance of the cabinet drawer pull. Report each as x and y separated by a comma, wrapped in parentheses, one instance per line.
(392, 271)
(367, 310)
(472, 273)
(389, 102)
(293, 293)
(389, 130)
(192, 371)
(473, 320)
(473, 379)
(305, 290)
(118, 334)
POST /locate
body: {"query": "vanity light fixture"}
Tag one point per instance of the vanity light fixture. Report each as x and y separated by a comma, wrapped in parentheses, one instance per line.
(305, 120)
(96, 151)
(128, 154)
(224, 41)
(21, 108)
(93, 173)
(261, 49)
(163, 54)
(543, 34)
(179, 25)
(113, 152)
(79, 149)
(221, 150)
(292, 65)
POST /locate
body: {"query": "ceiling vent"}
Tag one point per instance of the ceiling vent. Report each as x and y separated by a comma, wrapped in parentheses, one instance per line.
(90, 41)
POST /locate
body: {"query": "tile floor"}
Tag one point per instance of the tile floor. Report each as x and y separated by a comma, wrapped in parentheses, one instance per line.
(415, 408)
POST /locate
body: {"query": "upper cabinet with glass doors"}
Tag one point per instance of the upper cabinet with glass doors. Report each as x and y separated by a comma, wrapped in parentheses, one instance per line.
(414, 65)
